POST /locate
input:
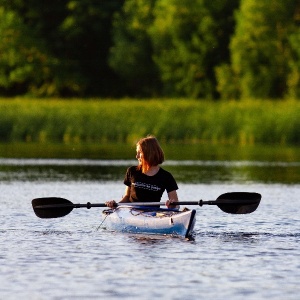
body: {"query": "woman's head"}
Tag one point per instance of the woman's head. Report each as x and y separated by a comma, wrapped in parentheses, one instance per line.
(149, 153)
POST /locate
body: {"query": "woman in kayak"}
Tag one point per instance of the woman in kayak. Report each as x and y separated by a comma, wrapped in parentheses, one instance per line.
(148, 181)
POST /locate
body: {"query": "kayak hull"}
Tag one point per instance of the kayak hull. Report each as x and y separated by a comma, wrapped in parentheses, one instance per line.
(150, 220)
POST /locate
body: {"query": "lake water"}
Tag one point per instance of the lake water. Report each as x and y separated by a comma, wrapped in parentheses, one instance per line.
(255, 256)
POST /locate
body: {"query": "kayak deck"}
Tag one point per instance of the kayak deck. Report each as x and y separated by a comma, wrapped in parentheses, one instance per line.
(150, 220)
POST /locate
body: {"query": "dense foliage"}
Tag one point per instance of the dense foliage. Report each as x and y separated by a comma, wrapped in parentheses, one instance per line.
(58, 48)
(199, 49)
(264, 51)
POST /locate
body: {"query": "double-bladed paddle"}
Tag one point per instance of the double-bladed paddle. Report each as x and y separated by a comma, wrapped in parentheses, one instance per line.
(234, 203)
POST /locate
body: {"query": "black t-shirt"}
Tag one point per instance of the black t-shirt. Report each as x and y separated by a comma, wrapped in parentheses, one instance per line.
(144, 188)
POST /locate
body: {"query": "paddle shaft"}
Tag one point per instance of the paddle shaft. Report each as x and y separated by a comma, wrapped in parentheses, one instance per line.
(89, 205)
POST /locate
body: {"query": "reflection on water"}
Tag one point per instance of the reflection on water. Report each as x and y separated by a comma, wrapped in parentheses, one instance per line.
(186, 171)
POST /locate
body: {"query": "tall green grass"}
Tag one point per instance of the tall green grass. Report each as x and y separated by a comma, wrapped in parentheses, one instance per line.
(124, 121)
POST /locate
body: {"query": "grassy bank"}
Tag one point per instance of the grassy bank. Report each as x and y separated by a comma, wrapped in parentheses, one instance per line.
(205, 152)
(124, 121)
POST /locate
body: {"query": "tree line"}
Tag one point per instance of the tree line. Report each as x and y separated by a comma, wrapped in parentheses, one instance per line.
(206, 49)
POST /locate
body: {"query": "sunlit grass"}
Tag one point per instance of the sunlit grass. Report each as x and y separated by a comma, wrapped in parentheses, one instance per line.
(124, 121)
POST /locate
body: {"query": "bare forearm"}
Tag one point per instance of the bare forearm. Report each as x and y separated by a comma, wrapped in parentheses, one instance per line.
(173, 198)
(124, 199)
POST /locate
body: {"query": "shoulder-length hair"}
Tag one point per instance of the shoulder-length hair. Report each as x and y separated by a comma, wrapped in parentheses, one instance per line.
(153, 154)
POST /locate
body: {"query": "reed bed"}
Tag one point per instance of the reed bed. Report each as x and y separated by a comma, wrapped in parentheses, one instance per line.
(124, 121)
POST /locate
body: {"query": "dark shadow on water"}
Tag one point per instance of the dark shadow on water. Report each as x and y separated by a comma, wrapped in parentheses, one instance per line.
(184, 171)
(189, 163)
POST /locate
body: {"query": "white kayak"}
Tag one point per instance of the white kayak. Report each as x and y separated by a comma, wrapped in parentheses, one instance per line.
(150, 220)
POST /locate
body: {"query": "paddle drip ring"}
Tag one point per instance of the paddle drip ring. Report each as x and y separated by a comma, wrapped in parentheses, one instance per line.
(88, 205)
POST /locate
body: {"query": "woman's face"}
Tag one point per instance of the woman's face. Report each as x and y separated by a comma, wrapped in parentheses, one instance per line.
(139, 154)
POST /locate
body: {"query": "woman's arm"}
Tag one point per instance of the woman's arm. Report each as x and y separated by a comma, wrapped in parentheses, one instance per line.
(173, 198)
(112, 203)
(126, 195)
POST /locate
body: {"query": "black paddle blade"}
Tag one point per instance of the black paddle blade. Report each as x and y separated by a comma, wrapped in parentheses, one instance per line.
(239, 202)
(52, 207)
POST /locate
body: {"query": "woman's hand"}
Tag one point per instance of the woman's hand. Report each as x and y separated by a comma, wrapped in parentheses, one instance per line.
(111, 203)
(172, 204)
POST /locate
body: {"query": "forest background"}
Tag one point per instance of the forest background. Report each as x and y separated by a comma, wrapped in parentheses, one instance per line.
(212, 57)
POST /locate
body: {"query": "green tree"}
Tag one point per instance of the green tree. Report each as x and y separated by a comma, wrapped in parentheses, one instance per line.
(260, 50)
(24, 60)
(60, 48)
(31, 32)
(131, 54)
(86, 33)
(293, 80)
(190, 38)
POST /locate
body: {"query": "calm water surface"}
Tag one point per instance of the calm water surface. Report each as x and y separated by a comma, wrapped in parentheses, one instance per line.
(255, 256)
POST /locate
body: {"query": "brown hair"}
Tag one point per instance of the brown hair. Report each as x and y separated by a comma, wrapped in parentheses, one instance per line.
(153, 154)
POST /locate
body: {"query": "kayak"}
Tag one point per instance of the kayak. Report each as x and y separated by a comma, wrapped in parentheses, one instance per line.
(150, 220)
